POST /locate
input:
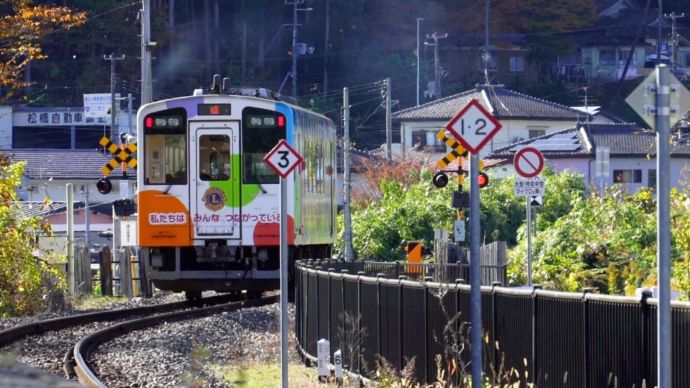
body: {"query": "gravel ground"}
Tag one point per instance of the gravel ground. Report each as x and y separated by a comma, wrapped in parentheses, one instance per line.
(47, 351)
(182, 353)
(187, 353)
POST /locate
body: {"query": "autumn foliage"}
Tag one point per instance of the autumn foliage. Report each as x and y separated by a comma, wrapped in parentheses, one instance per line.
(25, 281)
(374, 170)
(21, 33)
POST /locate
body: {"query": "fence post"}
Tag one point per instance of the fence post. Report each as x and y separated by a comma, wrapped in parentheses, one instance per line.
(400, 319)
(298, 304)
(330, 312)
(646, 330)
(426, 328)
(379, 276)
(494, 325)
(535, 330)
(359, 319)
(585, 334)
(458, 323)
(106, 275)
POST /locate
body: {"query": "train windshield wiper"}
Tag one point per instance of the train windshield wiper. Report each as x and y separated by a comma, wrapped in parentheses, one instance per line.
(258, 183)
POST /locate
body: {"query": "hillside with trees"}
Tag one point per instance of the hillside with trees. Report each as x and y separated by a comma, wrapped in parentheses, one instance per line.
(354, 43)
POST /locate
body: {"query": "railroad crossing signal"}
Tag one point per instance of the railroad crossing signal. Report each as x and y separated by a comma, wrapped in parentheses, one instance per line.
(120, 156)
(457, 150)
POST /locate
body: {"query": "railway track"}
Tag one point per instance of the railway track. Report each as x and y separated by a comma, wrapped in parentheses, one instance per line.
(57, 355)
(79, 358)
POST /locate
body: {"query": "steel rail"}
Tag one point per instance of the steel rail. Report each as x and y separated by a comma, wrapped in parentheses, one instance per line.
(13, 334)
(87, 344)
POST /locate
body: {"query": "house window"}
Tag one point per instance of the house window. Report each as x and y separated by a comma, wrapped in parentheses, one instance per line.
(627, 176)
(517, 64)
(623, 58)
(536, 133)
(418, 139)
(607, 57)
(685, 59)
(651, 179)
(491, 66)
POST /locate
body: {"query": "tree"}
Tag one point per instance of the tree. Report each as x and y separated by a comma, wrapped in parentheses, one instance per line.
(23, 278)
(608, 243)
(21, 33)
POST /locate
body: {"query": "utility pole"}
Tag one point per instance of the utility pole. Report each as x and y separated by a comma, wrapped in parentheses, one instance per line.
(389, 126)
(486, 56)
(437, 70)
(658, 34)
(113, 111)
(87, 218)
(418, 20)
(146, 46)
(326, 49)
(70, 239)
(294, 4)
(129, 114)
(349, 256)
(674, 37)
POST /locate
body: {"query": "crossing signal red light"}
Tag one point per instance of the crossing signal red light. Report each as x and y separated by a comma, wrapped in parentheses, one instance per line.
(482, 180)
(104, 186)
(440, 179)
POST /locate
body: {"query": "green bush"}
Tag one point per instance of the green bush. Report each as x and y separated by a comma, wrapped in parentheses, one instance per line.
(25, 281)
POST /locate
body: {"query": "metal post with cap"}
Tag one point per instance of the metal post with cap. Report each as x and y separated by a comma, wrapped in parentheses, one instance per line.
(661, 101)
(283, 159)
(473, 126)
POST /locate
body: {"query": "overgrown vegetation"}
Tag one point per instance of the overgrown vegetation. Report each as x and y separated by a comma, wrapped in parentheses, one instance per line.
(579, 239)
(27, 285)
(398, 202)
(608, 243)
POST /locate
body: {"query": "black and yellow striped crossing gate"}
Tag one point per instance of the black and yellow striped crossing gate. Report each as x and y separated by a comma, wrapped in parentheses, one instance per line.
(121, 155)
(456, 150)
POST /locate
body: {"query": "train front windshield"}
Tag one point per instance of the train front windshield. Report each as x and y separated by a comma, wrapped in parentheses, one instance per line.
(261, 131)
(165, 135)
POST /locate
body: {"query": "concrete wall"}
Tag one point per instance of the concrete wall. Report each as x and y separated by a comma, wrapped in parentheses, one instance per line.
(5, 127)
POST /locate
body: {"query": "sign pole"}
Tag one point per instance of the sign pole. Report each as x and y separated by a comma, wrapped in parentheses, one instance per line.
(663, 226)
(529, 240)
(475, 275)
(283, 285)
(283, 159)
(473, 126)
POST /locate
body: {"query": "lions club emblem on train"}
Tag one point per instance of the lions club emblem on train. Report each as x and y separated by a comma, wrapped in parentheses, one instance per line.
(214, 198)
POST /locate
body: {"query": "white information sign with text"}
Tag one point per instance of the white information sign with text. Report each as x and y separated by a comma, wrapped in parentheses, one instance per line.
(527, 187)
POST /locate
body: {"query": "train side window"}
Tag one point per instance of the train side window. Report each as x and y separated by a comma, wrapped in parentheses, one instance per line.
(214, 158)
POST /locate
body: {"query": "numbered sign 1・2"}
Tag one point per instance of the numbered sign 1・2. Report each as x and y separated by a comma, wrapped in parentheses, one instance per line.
(473, 126)
(283, 159)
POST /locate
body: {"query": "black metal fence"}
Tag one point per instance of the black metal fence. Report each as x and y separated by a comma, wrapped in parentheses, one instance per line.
(555, 339)
(444, 273)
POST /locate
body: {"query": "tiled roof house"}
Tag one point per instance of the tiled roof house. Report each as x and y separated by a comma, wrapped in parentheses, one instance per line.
(632, 159)
(522, 117)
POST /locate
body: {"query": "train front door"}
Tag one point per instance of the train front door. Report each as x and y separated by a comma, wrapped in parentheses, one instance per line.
(214, 192)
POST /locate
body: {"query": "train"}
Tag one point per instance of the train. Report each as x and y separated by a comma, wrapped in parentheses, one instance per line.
(209, 206)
